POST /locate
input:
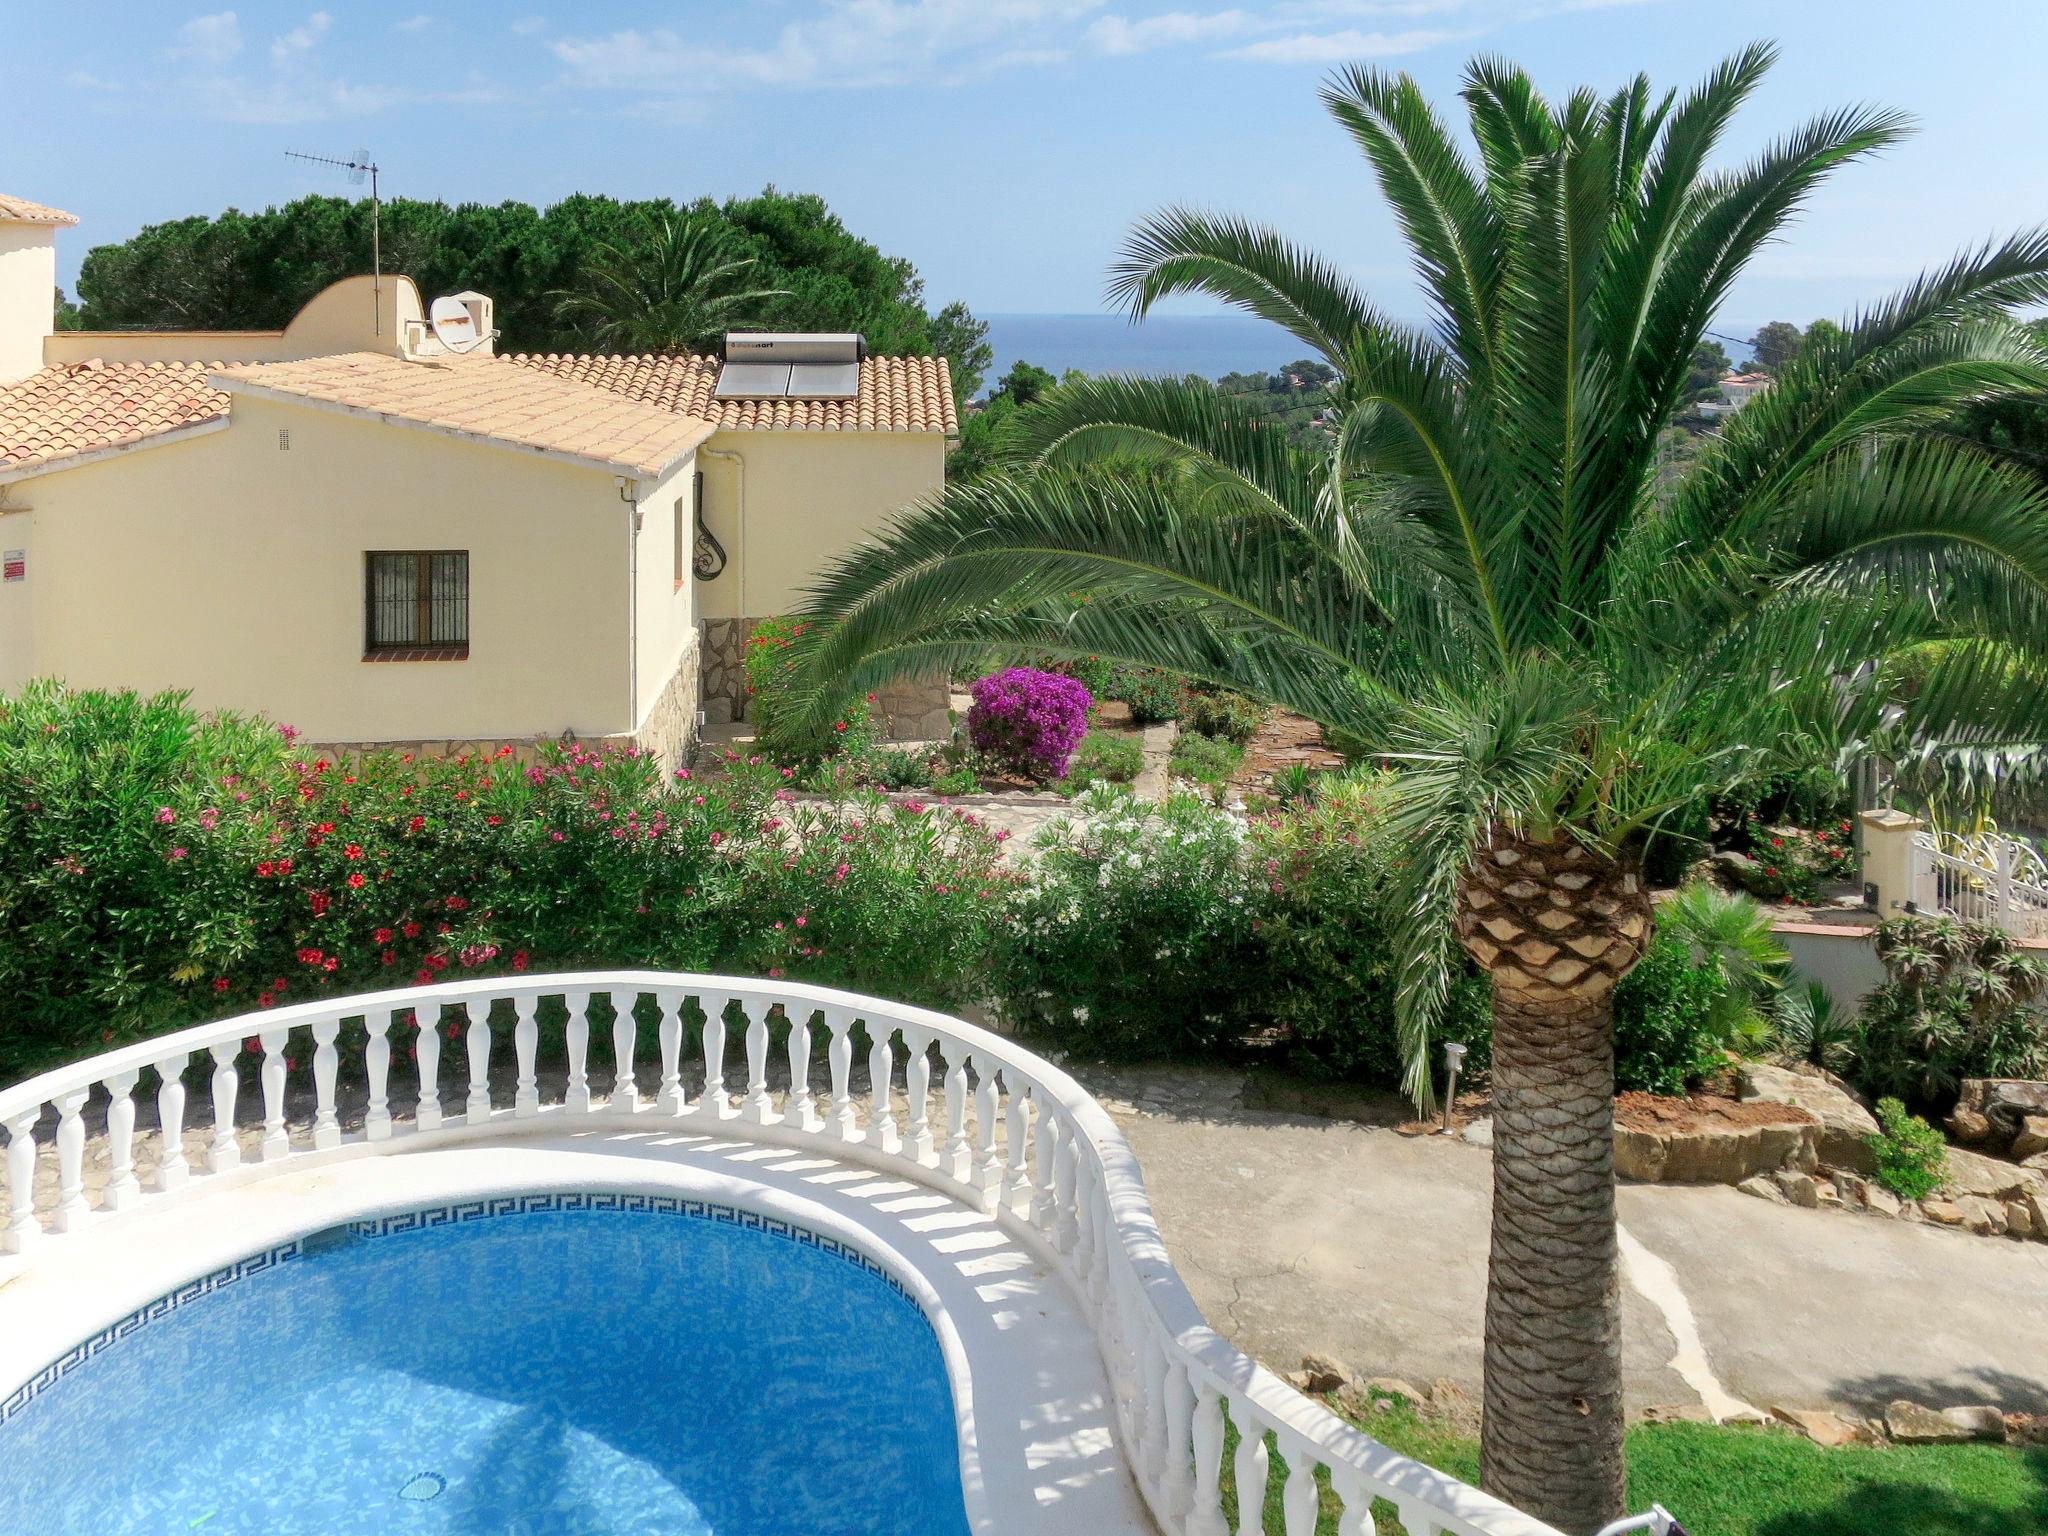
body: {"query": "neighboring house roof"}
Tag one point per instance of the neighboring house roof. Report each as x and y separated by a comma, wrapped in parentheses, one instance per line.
(19, 210)
(1747, 378)
(896, 394)
(482, 400)
(75, 411)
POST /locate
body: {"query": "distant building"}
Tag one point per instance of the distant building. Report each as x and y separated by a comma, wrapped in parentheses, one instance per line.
(1737, 390)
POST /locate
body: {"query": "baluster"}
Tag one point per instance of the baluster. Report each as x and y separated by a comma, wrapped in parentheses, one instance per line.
(669, 1101)
(798, 1109)
(1176, 1485)
(123, 1189)
(959, 1158)
(1298, 1496)
(171, 1168)
(1152, 1405)
(1017, 1189)
(22, 1227)
(839, 1055)
(882, 1131)
(276, 1143)
(714, 1103)
(476, 1109)
(988, 1166)
(377, 1067)
(1205, 1518)
(1356, 1519)
(222, 1152)
(1044, 1195)
(525, 1047)
(1093, 1246)
(428, 1047)
(625, 1032)
(1067, 1217)
(918, 1080)
(1250, 1464)
(577, 1099)
(757, 1106)
(72, 1210)
(326, 1123)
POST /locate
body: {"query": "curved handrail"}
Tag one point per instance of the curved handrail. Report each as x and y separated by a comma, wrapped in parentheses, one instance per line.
(1064, 1179)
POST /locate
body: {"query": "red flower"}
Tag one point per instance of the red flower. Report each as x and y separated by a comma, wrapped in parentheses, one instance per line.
(389, 956)
(424, 977)
(418, 823)
(264, 1000)
(329, 963)
(358, 880)
(457, 903)
(220, 983)
(381, 936)
(411, 930)
(519, 960)
(352, 851)
(264, 869)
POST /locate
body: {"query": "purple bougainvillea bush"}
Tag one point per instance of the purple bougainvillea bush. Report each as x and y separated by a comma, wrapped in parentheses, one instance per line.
(1028, 720)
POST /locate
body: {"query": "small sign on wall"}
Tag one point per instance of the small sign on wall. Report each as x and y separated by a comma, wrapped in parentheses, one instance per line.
(14, 565)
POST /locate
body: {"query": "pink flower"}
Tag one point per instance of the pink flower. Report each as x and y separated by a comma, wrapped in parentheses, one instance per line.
(175, 853)
(842, 872)
(165, 815)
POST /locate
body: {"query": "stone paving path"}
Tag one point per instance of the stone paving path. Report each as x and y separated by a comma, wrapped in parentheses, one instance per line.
(1302, 1234)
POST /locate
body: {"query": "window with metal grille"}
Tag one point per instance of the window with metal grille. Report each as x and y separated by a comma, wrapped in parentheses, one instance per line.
(416, 601)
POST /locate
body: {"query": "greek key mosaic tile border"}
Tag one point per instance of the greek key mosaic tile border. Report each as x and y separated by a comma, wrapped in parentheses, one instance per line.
(441, 1216)
(192, 1290)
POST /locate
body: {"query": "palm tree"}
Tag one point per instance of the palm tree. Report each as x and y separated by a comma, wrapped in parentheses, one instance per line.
(677, 290)
(1481, 583)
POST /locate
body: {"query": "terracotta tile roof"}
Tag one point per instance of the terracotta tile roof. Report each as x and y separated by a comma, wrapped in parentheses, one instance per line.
(19, 210)
(61, 413)
(897, 394)
(482, 399)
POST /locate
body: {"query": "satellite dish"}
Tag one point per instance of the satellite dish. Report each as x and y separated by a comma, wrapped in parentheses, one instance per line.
(454, 326)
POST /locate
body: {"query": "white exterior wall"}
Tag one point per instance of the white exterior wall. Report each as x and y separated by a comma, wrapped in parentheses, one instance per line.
(17, 614)
(233, 569)
(28, 296)
(810, 497)
(664, 619)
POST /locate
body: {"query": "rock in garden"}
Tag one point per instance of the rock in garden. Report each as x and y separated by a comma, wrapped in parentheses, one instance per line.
(1968, 1125)
(2019, 1219)
(1944, 1213)
(1845, 1125)
(1881, 1200)
(1972, 1173)
(1911, 1424)
(1983, 1423)
(1325, 1374)
(1708, 1140)
(1678, 1413)
(1798, 1188)
(1479, 1133)
(2004, 1102)
(2032, 1137)
(1983, 1216)
(1763, 1187)
(1394, 1386)
(1824, 1428)
(2026, 1429)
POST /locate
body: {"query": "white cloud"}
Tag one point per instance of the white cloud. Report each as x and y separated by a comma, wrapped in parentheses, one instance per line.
(526, 26)
(1121, 34)
(1336, 47)
(210, 39)
(418, 23)
(301, 40)
(849, 42)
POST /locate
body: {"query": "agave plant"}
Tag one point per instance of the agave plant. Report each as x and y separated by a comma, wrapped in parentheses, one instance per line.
(678, 289)
(1482, 584)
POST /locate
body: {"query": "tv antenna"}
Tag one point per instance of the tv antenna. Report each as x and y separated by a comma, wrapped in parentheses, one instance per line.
(359, 167)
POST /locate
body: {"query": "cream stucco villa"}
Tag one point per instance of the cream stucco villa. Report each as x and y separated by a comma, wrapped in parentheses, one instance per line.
(351, 528)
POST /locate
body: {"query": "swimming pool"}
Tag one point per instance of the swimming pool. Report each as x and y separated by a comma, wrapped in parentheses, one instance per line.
(576, 1364)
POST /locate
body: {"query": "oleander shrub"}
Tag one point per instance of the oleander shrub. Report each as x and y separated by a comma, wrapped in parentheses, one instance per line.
(1205, 760)
(1911, 1156)
(160, 867)
(896, 768)
(1134, 930)
(769, 663)
(1029, 721)
(1153, 696)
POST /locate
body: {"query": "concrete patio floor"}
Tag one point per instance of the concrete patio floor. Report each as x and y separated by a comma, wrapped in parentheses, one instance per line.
(1299, 1234)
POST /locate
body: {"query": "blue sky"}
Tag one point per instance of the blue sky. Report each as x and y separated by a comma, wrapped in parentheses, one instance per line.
(1003, 145)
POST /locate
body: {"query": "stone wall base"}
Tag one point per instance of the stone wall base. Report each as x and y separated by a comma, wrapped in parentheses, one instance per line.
(917, 710)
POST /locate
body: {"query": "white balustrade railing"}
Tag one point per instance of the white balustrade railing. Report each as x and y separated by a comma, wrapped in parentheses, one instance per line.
(1040, 1155)
(1982, 878)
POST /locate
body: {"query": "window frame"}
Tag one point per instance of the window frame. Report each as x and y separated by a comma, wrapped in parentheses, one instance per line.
(423, 598)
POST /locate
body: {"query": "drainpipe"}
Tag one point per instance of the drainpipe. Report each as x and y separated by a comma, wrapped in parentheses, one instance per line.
(629, 493)
(739, 535)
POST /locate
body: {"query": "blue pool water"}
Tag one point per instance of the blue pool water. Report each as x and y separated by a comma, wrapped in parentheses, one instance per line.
(547, 1373)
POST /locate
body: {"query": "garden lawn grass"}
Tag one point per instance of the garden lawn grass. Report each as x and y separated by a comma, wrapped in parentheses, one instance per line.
(1725, 1481)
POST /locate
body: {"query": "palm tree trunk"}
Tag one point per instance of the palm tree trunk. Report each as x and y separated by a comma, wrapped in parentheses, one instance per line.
(1556, 927)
